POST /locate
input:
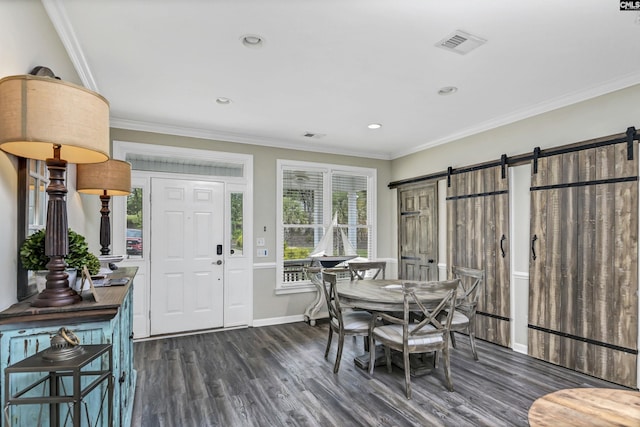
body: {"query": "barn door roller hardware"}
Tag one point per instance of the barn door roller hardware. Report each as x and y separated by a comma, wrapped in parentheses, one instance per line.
(536, 154)
(631, 136)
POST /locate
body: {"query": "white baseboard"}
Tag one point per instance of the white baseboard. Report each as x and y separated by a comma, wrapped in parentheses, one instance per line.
(187, 333)
(520, 348)
(264, 265)
(278, 320)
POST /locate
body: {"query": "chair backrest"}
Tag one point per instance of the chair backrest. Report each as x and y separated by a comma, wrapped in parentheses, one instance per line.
(439, 317)
(415, 296)
(359, 269)
(329, 281)
(314, 274)
(470, 283)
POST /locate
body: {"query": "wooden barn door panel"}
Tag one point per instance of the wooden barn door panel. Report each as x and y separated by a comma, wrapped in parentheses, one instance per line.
(477, 220)
(583, 266)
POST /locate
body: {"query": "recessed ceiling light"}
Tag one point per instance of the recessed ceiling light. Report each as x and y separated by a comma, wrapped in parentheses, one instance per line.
(374, 126)
(252, 40)
(223, 101)
(448, 90)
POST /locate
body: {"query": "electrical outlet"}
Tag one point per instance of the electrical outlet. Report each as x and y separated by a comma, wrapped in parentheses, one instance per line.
(261, 253)
(260, 241)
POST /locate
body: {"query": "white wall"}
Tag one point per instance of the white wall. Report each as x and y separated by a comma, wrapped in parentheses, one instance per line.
(601, 116)
(270, 308)
(519, 202)
(28, 40)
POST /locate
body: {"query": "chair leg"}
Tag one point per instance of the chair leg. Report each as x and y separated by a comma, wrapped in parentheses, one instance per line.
(366, 342)
(453, 339)
(372, 354)
(407, 374)
(326, 352)
(336, 366)
(387, 354)
(447, 368)
(472, 341)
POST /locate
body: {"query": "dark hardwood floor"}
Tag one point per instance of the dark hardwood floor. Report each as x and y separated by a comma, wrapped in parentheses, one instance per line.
(277, 376)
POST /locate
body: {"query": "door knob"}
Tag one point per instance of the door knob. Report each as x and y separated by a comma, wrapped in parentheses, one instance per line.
(219, 262)
(430, 261)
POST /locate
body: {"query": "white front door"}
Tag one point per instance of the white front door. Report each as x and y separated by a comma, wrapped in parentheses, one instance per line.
(186, 255)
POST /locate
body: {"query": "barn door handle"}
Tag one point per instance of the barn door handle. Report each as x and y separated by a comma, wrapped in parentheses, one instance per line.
(533, 247)
(502, 239)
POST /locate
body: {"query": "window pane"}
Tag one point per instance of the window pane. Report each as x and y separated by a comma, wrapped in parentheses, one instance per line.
(363, 242)
(35, 215)
(37, 195)
(32, 200)
(349, 201)
(312, 196)
(298, 244)
(134, 223)
(349, 195)
(41, 203)
(148, 162)
(236, 223)
(302, 197)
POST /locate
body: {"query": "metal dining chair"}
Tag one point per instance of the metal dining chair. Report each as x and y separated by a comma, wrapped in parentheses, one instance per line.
(403, 334)
(341, 322)
(374, 269)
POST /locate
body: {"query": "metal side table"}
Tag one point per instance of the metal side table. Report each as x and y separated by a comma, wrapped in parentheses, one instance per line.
(84, 382)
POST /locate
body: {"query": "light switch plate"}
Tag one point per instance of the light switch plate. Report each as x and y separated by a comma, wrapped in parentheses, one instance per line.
(261, 253)
(260, 241)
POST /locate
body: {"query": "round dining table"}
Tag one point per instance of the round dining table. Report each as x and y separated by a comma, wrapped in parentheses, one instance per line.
(381, 295)
(386, 295)
(584, 407)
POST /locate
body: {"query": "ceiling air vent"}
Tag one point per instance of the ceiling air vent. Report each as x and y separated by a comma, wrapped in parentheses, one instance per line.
(460, 42)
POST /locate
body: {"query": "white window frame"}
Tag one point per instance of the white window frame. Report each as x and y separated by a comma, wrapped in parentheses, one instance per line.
(39, 198)
(327, 170)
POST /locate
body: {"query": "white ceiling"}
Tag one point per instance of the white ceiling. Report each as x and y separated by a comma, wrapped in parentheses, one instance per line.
(332, 67)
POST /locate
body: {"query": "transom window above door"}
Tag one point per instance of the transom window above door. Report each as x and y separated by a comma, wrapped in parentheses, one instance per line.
(173, 164)
(310, 197)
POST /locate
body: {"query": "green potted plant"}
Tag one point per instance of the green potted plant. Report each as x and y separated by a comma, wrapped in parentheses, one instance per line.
(33, 258)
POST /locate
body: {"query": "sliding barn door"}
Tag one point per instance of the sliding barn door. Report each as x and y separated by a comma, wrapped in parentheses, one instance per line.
(418, 232)
(477, 237)
(583, 267)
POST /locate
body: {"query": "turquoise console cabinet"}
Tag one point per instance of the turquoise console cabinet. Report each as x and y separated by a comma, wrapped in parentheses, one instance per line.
(26, 330)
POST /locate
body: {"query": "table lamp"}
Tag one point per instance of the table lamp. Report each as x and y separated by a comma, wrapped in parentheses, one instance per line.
(110, 178)
(47, 119)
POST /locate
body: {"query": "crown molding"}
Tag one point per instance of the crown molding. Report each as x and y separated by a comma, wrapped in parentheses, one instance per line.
(543, 107)
(239, 138)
